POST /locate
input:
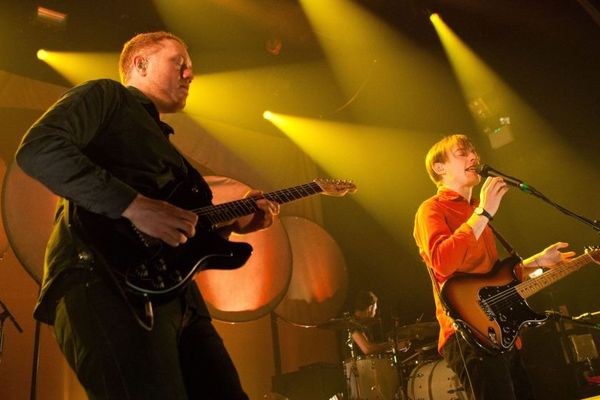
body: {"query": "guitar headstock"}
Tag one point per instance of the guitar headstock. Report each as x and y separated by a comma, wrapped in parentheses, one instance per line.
(335, 187)
(594, 252)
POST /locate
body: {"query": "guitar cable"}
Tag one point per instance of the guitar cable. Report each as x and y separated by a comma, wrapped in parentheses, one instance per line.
(460, 335)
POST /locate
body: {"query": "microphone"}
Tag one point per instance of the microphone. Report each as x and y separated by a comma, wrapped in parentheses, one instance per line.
(485, 171)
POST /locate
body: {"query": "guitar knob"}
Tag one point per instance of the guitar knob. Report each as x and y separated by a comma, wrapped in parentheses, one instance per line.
(141, 271)
(176, 276)
(161, 265)
(159, 282)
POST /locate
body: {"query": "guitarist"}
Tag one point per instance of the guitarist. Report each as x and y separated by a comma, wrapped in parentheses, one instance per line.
(104, 148)
(452, 233)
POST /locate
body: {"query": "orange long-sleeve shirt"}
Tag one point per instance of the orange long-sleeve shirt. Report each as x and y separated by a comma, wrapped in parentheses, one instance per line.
(447, 245)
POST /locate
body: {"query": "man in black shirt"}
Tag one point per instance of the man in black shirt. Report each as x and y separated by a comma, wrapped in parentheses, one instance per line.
(103, 148)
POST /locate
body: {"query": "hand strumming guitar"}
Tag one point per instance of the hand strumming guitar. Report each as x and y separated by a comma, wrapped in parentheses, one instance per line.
(161, 220)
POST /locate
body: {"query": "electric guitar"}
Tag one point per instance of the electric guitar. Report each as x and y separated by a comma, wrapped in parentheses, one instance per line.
(491, 308)
(148, 266)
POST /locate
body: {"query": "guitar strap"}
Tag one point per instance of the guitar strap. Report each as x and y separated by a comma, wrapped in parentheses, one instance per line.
(511, 250)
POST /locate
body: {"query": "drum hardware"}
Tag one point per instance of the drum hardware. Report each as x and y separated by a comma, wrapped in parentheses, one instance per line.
(418, 331)
(347, 322)
(372, 377)
(434, 380)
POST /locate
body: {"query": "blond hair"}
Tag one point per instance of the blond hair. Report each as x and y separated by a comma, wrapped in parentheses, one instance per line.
(438, 153)
(142, 44)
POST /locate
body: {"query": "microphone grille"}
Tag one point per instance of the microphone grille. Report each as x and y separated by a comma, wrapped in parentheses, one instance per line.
(482, 169)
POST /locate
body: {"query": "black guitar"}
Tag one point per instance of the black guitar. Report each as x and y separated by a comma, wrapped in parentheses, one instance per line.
(491, 308)
(148, 266)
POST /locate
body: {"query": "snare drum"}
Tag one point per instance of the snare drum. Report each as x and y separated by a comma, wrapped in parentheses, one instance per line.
(372, 377)
(434, 380)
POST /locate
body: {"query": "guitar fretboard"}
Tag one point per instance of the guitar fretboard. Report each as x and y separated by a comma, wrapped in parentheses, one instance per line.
(225, 212)
(532, 286)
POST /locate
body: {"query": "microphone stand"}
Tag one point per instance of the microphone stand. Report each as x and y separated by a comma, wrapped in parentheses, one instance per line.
(3, 315)
(594, 224)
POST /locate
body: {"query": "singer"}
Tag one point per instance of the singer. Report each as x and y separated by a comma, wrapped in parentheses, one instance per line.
(452, 233)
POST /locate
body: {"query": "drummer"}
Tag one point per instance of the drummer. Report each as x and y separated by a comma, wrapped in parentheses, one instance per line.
(365, 309)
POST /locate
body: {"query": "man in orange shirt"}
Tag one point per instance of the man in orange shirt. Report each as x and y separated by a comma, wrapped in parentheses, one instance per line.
(452, 233)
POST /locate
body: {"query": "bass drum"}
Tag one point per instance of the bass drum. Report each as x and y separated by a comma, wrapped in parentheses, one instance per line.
(434, 380)
(372, 377)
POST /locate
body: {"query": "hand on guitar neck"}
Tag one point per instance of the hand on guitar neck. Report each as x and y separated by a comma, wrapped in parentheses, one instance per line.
(261, 219)
(549, 257)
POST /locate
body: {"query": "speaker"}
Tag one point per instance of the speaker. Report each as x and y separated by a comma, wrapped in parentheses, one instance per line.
(320, 381)
(559, 359)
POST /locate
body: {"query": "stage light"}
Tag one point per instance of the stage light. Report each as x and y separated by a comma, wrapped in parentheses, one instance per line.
(434, 17)
(268, 115)
(42, 55)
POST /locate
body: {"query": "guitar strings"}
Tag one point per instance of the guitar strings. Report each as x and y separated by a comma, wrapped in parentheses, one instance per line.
(504, 299)
(249, 205)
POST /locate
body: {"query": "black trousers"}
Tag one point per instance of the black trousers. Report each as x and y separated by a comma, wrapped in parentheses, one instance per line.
(493, 377)
(181, 358)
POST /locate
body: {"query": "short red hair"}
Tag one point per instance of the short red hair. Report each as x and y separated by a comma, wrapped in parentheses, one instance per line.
(142, 44)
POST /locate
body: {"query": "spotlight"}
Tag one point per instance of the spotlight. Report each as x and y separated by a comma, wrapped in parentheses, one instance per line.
(267, 115)
(434, 17)
(42, 54)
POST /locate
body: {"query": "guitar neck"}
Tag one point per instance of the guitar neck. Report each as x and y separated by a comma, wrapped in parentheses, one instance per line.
(532, 286)
(221, 213)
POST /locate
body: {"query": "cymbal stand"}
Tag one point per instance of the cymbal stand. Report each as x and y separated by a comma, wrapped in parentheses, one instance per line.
(3, 315)
(401, 391)
(352, 372)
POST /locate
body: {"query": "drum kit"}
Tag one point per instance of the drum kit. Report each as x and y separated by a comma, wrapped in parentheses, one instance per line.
(412, 370)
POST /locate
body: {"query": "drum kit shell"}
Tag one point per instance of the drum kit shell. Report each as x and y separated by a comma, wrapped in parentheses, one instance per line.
(412, 370)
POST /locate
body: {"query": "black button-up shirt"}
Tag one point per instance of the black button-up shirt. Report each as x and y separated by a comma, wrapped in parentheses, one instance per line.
(97, 147)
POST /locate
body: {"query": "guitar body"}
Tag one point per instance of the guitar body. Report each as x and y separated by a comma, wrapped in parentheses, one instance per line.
(147, 265)
(488, 306)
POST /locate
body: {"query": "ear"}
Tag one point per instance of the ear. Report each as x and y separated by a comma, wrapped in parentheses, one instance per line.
(439, 168)
(140, 63)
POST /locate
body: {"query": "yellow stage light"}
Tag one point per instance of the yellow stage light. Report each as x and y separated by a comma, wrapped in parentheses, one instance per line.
(267, 115)
(42, 54)
(80, 67)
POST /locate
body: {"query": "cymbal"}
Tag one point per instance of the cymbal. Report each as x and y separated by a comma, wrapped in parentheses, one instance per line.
(419, 330)
(368, 321)
(348, 323)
